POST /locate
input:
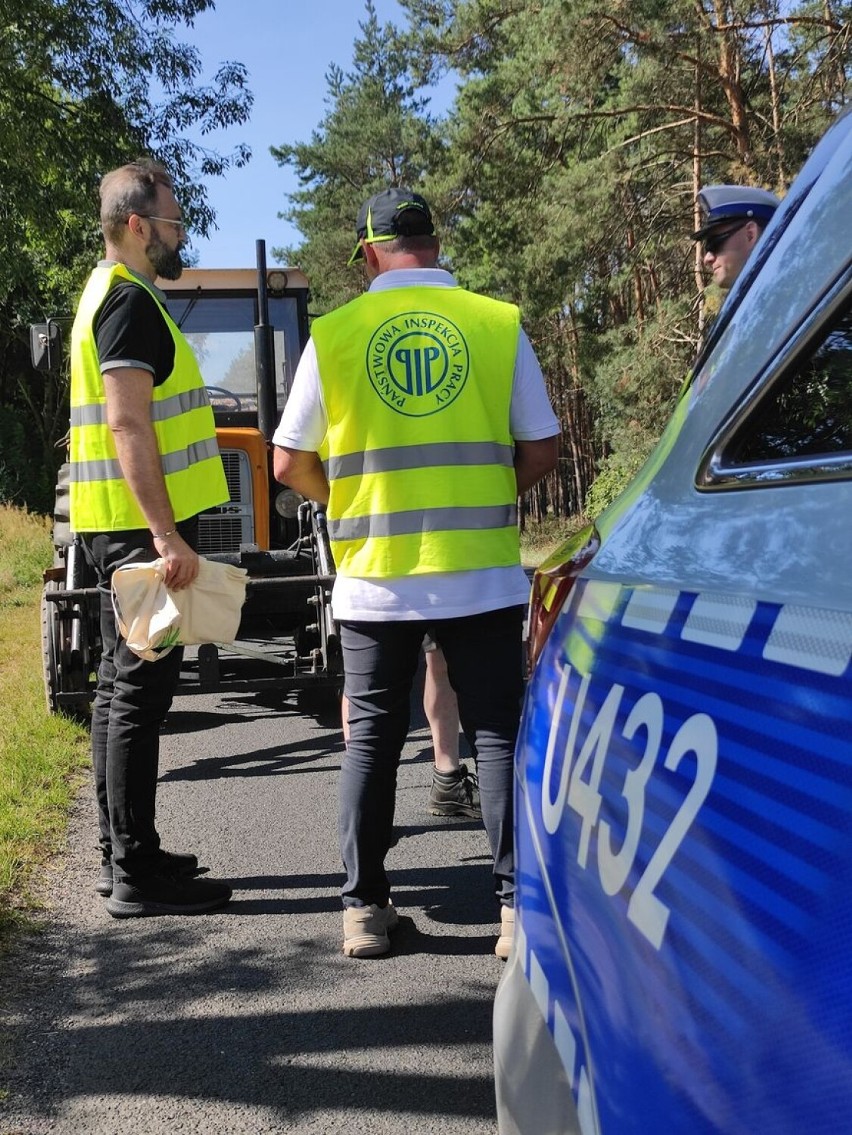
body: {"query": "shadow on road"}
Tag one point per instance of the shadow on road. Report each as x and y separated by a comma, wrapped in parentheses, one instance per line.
(140, 1012)
(274, 760)
(251, 1019)
(455, 896)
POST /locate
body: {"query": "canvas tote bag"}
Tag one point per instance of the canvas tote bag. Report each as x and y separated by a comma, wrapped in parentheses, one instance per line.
(152, 619)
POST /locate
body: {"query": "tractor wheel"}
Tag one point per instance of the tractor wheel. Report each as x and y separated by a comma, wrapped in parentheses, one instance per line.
(51, 648)
(322, 701)
(66, 670)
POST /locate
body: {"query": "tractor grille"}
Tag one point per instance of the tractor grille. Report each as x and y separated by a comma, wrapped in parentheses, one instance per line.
(219, 534)
(231, 462)
(225, 528)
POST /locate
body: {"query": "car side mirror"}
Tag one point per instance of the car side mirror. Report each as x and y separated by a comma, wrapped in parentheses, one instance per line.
(46, 346)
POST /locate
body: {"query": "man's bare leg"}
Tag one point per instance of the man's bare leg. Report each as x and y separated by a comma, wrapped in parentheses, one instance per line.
(455, 791)
(442, 712)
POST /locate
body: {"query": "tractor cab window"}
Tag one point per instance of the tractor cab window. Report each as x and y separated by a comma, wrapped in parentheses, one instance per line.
(220, 330)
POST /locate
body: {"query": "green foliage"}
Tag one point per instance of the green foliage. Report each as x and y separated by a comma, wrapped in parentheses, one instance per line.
(85, 86)
(615, 474)
(566, 176)
(376, 133)
(637, 371)
(23, 476)
(13, 458)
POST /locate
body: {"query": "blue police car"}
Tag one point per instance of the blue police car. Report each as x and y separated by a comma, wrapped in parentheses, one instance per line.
(683, 949)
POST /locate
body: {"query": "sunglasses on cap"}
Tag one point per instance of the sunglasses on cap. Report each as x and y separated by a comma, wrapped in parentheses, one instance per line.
(716, 242)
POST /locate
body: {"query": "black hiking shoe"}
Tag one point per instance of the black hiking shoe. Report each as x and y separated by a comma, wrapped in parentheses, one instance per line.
(166, 893)
(455, 794)
(183, 864)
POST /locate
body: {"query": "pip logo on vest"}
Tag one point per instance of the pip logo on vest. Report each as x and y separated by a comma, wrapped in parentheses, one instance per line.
(418, 363)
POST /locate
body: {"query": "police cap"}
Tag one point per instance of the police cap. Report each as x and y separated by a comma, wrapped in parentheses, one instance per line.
(721, 203)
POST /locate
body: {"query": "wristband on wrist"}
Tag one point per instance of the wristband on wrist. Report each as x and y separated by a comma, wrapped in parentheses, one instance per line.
(163, 535)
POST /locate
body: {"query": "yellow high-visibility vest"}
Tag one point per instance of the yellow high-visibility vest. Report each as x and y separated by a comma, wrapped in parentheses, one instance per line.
(101, 500)
(417, 383)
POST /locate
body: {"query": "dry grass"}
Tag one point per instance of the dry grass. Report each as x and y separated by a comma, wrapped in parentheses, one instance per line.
(539, 540)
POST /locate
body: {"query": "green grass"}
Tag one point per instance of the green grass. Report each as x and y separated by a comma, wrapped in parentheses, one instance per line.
(42, 756)
(539, 540)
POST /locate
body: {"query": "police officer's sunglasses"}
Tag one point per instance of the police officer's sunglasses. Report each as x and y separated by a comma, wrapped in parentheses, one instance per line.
(716, 242)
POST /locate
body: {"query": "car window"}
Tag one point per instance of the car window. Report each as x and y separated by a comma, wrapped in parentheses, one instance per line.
(808, 411)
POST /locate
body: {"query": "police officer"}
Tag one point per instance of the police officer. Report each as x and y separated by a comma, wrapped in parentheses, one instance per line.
(144, 463)
(419, 413)
(733, 218)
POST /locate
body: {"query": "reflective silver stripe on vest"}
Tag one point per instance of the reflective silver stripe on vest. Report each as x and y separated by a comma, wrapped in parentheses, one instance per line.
(417, 456)
(95, 414)
(175, 462)
(424, 520)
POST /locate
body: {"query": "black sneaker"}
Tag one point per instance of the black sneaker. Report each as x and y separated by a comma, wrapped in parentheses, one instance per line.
(166, 893)
(183, 864)
(104, 883)
(455, 794)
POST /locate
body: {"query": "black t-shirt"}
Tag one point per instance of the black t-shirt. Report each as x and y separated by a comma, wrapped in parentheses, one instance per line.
(129, 329)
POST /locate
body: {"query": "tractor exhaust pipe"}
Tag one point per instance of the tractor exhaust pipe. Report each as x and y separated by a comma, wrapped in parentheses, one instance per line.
(264, 353)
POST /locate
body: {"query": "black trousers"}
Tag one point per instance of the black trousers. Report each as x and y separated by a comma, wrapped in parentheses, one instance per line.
(132, 699)
(484, 664)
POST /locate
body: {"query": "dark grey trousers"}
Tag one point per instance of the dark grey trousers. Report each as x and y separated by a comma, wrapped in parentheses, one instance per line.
(132, 699)
(484, 663)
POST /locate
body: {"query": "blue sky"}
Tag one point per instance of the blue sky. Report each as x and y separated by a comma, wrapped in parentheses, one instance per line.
(287, 47)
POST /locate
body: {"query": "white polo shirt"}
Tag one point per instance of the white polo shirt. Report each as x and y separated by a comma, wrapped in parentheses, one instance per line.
(442, 595)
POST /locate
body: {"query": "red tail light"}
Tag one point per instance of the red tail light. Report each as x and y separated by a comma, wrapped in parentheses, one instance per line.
(552, 585)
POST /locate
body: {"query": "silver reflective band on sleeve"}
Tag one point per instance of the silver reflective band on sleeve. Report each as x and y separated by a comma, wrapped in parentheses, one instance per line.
(171, 463)
(424, 520)
(95, 414)
(419, 456)
(92, 415)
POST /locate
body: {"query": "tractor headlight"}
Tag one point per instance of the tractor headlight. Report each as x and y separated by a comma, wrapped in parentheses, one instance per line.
(287, 503)
(276, 282)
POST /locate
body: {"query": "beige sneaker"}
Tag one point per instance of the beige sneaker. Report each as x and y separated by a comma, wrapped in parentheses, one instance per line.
(507, 932)
(365, 930)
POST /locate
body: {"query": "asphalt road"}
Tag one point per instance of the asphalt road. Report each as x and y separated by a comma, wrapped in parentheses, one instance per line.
(251, 1019)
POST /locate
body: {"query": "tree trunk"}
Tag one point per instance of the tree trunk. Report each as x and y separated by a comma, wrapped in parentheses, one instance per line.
(775, 96)
(729, 75)
(696, 189)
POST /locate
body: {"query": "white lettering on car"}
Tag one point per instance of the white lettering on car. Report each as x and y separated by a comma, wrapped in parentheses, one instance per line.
(579, 788)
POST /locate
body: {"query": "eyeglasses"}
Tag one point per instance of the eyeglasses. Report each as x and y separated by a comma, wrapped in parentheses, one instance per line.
(716, 243)
(169, 220)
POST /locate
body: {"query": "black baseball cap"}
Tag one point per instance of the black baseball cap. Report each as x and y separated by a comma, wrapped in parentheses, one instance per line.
(389, 214)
